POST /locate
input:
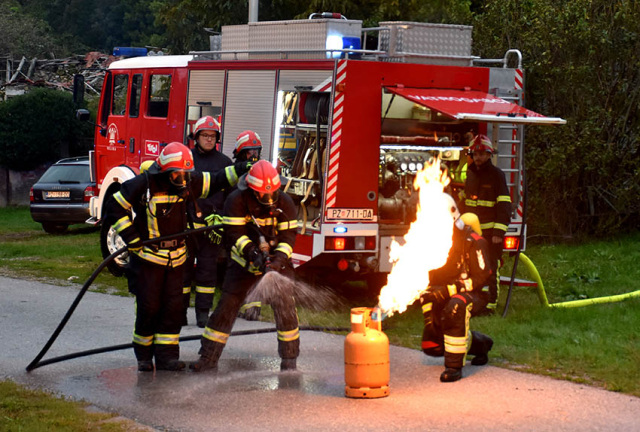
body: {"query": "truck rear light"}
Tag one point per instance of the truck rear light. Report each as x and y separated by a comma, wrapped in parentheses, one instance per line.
(31, 195)
(343, 264)
(349, 243)
(365, 243)
(88, 193)
(335, 243)
(511, 243)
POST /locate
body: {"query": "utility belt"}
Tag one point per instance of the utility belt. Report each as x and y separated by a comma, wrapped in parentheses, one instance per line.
(170, 245)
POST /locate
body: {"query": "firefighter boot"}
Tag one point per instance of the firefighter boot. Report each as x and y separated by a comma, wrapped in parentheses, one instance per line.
(288, 364)
(209, 354)
(171, 365)
(480, 347)
(202, 316)
(451, 375)
(145, 366)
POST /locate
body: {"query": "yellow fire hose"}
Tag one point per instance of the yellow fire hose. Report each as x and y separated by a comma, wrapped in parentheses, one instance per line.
(542, 295)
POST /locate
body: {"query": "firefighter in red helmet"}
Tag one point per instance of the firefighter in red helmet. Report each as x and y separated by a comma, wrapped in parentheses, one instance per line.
(486, 194)
(157, 198)
(256, 214)
(454, 295)
(204, 249)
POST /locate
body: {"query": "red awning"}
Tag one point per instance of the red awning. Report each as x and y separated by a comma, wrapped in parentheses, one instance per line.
(472, 105)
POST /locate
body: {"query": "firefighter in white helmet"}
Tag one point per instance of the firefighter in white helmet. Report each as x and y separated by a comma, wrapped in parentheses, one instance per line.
(486, 194)
(157, 197)
(255, 214)
(201, 268)
(455, 294)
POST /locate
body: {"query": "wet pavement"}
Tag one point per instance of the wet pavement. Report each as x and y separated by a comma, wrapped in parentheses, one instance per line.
(250, 393)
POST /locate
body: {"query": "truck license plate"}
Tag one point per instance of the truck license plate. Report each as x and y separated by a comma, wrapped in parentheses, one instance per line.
(57, 194)
(349, 214)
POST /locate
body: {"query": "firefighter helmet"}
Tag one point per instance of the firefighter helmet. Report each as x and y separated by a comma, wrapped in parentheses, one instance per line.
(264, 180)
(144, 166)
(481, 143)
(206, 123)
(471, 219)
(453, 210)
(247, 140)
(175, 157)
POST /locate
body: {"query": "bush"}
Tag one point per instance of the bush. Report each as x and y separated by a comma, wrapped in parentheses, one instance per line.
(39, 127)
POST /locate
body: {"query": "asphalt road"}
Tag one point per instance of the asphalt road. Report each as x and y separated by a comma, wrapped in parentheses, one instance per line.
(250, 393)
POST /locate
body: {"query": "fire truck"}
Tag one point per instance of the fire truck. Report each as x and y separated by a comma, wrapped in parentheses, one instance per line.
(347, 126)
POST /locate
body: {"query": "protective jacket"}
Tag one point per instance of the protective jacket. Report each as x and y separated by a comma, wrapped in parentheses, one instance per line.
(211, 161)
(486, 194)
(161, 210)
(245, 220)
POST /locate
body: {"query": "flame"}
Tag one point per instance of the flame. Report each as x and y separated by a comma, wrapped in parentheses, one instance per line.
(435, 136)
(426, 244)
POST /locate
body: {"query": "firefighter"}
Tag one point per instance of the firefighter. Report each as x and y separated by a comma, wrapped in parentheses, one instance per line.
(455, 295)
(203, 249)
(248, 147)
(158, 198)
(259, 231)
(486, 194)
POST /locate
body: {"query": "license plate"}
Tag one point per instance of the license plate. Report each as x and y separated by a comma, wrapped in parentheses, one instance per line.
(349, 214)
(57, 194)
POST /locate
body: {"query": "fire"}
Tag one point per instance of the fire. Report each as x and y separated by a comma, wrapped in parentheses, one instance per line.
(426, 244)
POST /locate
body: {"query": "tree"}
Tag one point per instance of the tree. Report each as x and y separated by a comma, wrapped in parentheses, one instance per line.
(21, 34)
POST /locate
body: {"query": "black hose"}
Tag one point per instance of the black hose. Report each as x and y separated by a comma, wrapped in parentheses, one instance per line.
(182, 339)
(88, 283)
(522, 239)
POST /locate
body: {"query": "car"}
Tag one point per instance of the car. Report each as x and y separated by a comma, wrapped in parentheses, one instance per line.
(61, 197)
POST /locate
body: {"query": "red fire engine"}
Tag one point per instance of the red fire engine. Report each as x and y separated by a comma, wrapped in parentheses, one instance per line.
(347, 126)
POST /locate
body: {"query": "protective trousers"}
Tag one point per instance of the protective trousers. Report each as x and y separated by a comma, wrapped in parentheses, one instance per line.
(446, 330)
(236, 285)
(495, 253)
(204, 253)
(158, 310)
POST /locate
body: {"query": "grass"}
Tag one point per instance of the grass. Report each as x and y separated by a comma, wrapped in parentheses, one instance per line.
(595, 345)
(34, 410)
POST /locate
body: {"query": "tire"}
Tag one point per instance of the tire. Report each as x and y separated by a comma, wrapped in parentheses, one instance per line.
(110, 242)
(54, 228)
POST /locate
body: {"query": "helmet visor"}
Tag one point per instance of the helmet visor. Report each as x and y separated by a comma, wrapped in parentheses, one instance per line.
(179, 178)
(267, 199)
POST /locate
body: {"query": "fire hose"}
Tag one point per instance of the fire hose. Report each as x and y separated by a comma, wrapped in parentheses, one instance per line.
(36, 363)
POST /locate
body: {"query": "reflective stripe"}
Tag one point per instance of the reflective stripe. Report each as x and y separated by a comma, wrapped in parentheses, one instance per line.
(491, 305)
(164, 256)
(123, 202)
(288, 336)
(152, 209)
(503, 198)
(142, 340)
(485, 288)
(483, 203)
(487, 225)
(455, 345)
(206, 184)
(215, 336)
(267, 222)
(167, 339)
(186, 290)
(427, 307)
(232, 177)
(122, 224)
(199, 225)
(241, 243)
(470, 203)
(250, 305)
(205, 290)
(292, 224)
(499, 226)
(234, 220)
(453, 290)
(285, 248)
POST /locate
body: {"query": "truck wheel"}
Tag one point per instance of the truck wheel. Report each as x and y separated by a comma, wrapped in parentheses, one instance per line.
(54, 228)
(110, 241)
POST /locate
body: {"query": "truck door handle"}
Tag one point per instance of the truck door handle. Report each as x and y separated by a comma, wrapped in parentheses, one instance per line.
(132, 145)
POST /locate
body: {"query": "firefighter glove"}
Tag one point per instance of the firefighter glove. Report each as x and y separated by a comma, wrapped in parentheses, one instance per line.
(257, 260)
(214, 235)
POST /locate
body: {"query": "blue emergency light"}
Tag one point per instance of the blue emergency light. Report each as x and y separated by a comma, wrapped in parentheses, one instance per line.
(340, 229)
(129, 52)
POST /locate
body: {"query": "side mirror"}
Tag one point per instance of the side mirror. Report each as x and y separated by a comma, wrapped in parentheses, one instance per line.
(78, 90)
(83, 115)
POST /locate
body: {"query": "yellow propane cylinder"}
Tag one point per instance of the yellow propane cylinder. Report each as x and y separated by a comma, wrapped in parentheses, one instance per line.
(366, 357)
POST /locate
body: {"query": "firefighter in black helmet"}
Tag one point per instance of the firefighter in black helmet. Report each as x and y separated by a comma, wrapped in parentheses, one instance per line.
(158, 199)
(455, 295)
(204, 249)
(486, 194)
(255, 215)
